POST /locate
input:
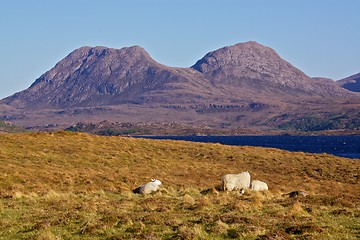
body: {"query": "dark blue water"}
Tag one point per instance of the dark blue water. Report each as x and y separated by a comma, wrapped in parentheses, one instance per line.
(343, 146)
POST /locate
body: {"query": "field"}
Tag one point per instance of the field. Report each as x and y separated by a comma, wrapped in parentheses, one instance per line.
(79, 186)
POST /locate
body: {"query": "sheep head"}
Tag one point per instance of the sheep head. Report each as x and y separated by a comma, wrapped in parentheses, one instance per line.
(156, 181)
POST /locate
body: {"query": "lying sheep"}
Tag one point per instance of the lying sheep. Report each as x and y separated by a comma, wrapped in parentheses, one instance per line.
(257, 185)
(239, 181)
(149, 187)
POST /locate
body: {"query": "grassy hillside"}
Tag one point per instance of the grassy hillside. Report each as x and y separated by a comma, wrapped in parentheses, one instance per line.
(78, 186)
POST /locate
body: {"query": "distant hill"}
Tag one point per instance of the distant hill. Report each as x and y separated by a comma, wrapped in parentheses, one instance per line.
(351, 83)
(246, 85)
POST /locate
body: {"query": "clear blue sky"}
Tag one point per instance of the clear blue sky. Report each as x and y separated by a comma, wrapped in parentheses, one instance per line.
(320, 37)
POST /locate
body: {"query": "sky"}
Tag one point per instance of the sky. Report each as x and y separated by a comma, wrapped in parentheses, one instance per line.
(320, 37)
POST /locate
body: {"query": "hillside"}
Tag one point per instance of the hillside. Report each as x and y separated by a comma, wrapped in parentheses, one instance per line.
(243, 86)
(97, 76)
(76, 186)
(351, 83)
(260, 69)
(100, 76)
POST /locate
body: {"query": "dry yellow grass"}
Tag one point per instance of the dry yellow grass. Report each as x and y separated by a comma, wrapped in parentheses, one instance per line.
(79, 186)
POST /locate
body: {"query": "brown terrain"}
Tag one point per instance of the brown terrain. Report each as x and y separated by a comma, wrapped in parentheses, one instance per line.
(246, 86)
(63, 185)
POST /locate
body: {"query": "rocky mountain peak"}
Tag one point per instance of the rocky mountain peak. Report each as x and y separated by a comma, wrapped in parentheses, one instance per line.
(87, 73)
(250, 61)
(87, 54)
(254, 66)
(247, 60)
(99, 61)
(239, 56)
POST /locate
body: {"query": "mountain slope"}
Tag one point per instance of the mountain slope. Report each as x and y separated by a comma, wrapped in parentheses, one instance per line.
(253, 66)
(97, 76)
(351, 83)
(246, 85)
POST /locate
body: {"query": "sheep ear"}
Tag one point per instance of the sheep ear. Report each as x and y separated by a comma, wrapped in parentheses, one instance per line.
(153, 179)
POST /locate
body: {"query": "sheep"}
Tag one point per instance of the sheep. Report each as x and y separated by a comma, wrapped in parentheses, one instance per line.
(257, 185)
(239, 181)
(149, 187)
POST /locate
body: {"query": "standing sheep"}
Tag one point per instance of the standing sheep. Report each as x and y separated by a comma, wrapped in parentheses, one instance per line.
(239, 181)
(149, 187)
(257, 185)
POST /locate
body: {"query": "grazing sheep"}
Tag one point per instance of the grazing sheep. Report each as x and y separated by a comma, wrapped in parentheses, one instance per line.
(239, 181)
(257, 185)
(149, 187)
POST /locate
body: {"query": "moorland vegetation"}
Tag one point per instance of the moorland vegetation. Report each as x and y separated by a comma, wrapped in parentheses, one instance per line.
(67, 185)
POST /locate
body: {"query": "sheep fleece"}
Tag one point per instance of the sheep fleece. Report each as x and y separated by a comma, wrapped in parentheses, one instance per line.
(148, 188)
(257, 185)
(236, 181)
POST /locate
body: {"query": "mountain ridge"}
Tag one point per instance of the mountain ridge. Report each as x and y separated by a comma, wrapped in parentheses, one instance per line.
(116, 72)
(244, 85)
(116, 75)
(251, 60)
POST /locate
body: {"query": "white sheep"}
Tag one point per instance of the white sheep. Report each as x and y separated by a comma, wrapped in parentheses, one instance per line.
(257, 185)
(149, 187)
(239, 181)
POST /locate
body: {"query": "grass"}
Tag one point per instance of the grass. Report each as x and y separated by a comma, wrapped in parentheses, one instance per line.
(77, 186)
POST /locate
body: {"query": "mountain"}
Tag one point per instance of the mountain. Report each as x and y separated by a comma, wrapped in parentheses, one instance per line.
(246, 85)
(253, 66)
(351, 83)
(98, 76)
